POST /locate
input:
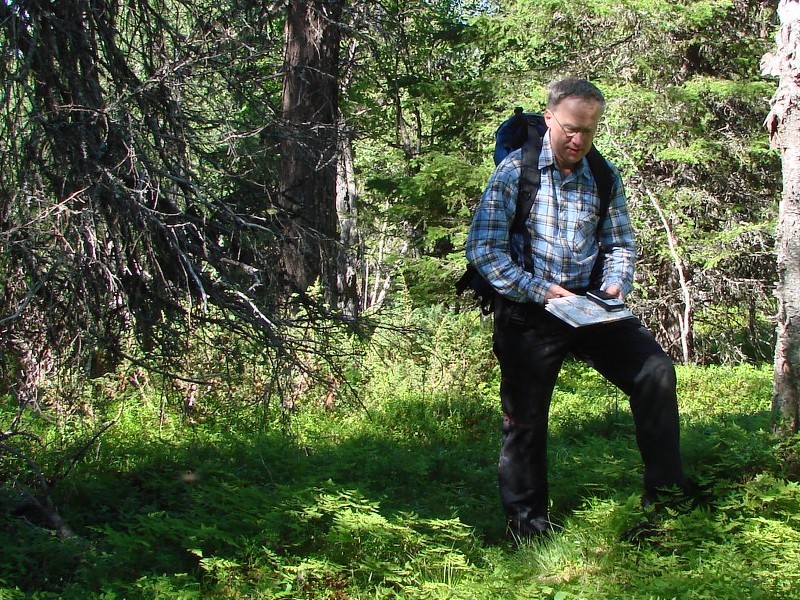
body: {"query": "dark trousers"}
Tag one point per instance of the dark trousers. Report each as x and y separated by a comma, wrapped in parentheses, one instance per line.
(531, 345)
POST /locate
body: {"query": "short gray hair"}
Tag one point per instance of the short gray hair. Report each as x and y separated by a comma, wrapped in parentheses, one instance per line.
(568, 87)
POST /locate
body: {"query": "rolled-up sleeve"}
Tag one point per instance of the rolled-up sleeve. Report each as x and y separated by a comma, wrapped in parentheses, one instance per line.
(616, 238)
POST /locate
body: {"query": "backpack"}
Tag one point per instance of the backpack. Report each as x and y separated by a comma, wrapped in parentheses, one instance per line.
(525, 130)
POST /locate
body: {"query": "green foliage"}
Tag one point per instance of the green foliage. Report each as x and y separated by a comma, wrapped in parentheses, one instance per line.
(398, 499)
(698, 153)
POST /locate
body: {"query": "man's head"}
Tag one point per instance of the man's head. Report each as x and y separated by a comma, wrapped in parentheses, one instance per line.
(574, 108)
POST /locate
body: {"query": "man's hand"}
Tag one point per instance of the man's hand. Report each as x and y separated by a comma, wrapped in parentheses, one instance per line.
(615, 290)
(556, 291)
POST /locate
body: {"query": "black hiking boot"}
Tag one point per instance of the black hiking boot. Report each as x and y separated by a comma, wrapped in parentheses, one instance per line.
(522, 531)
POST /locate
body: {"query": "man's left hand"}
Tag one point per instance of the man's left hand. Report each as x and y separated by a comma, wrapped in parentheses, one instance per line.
(615, 290)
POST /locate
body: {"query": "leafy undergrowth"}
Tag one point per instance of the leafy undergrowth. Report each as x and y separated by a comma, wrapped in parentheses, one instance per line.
(397, 499)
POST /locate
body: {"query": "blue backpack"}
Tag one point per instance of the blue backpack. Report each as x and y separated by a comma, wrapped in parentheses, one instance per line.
(525, 130)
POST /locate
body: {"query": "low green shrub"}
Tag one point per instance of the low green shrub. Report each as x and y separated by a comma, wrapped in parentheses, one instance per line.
(390, 491)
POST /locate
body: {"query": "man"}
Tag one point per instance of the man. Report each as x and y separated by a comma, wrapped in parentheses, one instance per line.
(530, 343)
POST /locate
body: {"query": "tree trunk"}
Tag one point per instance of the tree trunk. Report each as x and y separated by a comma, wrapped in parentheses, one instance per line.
(351, 253)
(786, 400)
(347, 210)
(783, 123)
(309, 149)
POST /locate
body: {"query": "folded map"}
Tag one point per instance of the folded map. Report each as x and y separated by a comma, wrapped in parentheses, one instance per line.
(579, 311)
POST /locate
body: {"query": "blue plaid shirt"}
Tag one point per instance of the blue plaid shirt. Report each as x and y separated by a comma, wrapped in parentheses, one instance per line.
(563, 227)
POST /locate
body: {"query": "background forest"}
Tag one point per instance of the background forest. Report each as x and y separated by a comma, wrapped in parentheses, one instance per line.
(232, 362)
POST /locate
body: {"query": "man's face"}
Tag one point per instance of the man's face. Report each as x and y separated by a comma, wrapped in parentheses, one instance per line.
(572, 123)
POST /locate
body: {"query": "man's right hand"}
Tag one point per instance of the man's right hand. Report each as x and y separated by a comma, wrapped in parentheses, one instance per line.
(556, 291)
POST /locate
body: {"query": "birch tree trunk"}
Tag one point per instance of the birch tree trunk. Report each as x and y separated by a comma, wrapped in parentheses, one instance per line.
(347, 211)
(351, 251)
(783, 123)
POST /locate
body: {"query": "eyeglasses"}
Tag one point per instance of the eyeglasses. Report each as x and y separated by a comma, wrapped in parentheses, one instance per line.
(571, 132)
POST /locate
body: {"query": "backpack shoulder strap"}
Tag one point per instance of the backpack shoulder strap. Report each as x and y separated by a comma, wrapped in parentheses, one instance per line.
(604, 180)
(529, 180)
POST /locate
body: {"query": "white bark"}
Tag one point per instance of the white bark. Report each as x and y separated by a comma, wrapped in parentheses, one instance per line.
(783, 124)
